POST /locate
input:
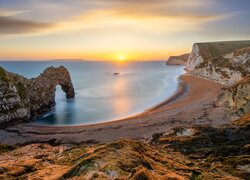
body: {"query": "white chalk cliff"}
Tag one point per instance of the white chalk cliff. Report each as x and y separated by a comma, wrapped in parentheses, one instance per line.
(222, 62)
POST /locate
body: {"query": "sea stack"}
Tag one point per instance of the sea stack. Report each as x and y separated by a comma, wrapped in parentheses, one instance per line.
(22, 98)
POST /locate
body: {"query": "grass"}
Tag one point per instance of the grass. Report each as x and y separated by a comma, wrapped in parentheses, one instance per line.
(213, 53)
(72, 156)
(3, 74)
(210, 153)
(5, 148)
(228, 145)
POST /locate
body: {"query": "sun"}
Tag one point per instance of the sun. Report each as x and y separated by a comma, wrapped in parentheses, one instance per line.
(121, 58)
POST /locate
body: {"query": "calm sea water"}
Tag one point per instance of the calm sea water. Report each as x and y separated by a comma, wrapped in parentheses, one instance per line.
(101, 96)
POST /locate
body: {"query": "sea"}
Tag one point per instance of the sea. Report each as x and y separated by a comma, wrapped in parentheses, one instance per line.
(102, 96)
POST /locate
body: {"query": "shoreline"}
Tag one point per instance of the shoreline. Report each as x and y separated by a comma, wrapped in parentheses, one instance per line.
(191, 104)
(180, 91)
(182, 88)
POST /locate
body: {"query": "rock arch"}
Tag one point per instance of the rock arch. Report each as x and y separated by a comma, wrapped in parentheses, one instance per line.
(22, 98)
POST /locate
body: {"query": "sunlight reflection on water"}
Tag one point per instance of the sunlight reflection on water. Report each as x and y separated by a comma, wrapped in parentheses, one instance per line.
(102, 96)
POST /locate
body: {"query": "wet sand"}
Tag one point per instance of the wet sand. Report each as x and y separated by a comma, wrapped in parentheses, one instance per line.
(192, 104)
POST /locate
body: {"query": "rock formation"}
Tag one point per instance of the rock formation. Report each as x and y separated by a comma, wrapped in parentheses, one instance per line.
(178, 60)
(237, 98)
(199, 152)
(223, 62)
(22, 99)
(227, 63)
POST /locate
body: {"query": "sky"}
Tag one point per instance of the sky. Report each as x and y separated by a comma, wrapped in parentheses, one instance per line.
(111, 29)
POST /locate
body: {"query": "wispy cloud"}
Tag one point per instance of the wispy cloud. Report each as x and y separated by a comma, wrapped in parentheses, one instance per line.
(146, 15)
(10, 25)
(78, 26)
(6, 12)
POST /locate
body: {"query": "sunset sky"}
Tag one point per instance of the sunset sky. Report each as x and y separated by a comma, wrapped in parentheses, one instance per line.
(109, 29)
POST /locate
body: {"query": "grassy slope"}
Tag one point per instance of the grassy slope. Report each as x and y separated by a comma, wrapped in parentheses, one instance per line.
(206, 153)
(215, 49)
(213, 53)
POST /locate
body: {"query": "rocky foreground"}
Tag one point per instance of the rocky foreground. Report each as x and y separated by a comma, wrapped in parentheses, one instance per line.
(200, 152)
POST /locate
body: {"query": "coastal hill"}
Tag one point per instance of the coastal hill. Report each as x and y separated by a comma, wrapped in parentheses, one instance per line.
(178, 60)
(223, 62)
(199, 152)
(22, 99)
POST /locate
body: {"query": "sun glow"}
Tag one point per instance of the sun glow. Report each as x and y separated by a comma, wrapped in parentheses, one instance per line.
(121, 58)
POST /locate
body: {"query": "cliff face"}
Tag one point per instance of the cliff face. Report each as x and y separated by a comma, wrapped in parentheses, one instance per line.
(237, 97)
(21, 98)
(223, 62)
(178, 60)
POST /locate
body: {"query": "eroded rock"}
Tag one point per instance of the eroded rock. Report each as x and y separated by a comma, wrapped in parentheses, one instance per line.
(22, 98)
(222, 62)
(237, 98)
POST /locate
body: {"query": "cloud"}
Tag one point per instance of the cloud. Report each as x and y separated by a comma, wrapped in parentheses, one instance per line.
(5, 12)
(193, 10)
(155, 16)
(10, 25)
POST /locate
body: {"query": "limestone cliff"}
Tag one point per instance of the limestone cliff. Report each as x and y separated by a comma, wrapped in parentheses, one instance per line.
(223, 62)
(237, 98)
(178, 60)
(22, 98)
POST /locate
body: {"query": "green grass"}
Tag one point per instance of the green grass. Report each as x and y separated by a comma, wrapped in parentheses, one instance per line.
(71, 156)
(3, 74)
(213, 53)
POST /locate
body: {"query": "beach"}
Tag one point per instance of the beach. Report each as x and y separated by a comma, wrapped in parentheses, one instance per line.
(99, 95)
(192, 104)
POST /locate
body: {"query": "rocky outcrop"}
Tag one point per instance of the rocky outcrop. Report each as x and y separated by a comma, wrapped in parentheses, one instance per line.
(178, 60)
(222, 62)
(237, 98)
(227, 63)
(217, 149)
(22, 99)
(199, 152)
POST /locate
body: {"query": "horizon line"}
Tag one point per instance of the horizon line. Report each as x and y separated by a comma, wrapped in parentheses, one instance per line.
(72, 60)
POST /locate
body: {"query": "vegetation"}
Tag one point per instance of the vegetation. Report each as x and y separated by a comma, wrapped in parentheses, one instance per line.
(5, 148)
(224, 148)
(22, 91)
(213, 55)
(3, 75)
(204, 153)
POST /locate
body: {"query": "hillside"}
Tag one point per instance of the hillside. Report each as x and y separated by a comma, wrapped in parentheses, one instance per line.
(189, 152)
(223, 62)
(237, 98)
(178, 60)
(200, 152)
